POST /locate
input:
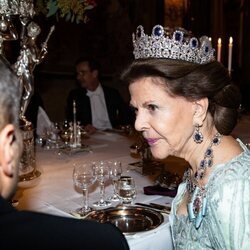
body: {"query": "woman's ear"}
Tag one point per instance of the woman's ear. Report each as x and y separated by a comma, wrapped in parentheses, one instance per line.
(7, 150)
(200, 107)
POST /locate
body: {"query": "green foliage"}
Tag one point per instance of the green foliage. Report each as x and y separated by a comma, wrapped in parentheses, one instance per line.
(70, 10)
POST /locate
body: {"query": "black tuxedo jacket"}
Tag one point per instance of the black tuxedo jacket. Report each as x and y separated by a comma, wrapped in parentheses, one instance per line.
(119, 113)
(30, 230)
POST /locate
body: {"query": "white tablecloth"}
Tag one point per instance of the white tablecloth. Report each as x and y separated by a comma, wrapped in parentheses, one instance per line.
(54, 193)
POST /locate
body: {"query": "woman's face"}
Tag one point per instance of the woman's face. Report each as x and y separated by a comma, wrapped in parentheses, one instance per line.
(165, 121)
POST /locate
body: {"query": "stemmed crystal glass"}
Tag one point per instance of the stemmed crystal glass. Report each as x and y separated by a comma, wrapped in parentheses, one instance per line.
(126, 190)
(115, 171)
(83, 177)
(101, 172)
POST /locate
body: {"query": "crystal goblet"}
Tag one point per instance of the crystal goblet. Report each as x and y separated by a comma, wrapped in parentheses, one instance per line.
(115, 171)
(83, 177)
(101, 172)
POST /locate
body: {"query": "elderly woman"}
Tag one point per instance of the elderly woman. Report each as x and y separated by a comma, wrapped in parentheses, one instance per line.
(187, 106)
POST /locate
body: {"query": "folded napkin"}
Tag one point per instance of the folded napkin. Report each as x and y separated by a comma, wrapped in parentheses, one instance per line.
(158, 190)
(43, 122)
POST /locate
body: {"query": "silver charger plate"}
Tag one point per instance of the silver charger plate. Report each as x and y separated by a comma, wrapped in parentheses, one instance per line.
(129, 219)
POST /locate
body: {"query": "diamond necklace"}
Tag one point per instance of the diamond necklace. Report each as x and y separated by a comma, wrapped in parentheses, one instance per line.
(197, 200)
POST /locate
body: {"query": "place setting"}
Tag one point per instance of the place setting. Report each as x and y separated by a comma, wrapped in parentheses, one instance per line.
(119, 208)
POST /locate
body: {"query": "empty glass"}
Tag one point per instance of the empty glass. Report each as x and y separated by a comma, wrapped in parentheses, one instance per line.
(83, 177)
(126, 189)
(101, 172)
(115, 171)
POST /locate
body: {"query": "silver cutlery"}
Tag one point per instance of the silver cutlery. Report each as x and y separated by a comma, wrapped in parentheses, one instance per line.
(156, 207)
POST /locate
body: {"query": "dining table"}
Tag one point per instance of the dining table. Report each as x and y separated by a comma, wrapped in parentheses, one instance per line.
(53, 192)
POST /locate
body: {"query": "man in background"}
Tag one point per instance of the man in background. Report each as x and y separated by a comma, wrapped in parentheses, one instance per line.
(31, 230)
(97, 106)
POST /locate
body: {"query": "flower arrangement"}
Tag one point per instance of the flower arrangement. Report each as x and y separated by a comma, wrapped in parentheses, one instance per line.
(70, 10)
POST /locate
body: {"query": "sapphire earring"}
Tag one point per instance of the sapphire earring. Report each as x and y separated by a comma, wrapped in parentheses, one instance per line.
(198, 137)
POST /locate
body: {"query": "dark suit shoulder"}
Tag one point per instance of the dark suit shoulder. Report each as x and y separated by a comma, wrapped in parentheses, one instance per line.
(77, 91)
(112, 93)
(36, 230)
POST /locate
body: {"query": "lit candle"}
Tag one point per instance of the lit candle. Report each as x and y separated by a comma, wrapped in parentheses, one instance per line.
(230, 52)
(74, 124)
(219, 50)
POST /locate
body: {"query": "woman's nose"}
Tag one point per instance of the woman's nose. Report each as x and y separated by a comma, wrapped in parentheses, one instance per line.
(141, 122)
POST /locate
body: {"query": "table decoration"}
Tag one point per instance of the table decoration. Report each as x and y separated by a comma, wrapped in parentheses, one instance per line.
(15, 16)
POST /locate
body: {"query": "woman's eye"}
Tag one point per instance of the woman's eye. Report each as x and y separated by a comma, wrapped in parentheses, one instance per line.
(135, 110)
(152, 107)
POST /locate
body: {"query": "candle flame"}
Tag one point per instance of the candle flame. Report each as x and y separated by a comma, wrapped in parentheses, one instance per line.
(219, 41)
(230, 40)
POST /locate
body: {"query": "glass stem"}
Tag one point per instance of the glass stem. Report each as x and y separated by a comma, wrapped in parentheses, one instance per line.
(85, 198)
(102, 191)
(115, 187)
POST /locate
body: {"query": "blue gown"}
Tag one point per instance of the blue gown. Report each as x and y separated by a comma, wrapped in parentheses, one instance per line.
(227, 221)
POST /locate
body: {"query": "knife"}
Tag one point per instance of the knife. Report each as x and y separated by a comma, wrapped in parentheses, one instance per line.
(159, 206)
(165, 210)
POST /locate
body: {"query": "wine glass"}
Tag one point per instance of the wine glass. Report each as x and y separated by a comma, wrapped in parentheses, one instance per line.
(126, 190)
(101, 172)
(115, 172)
(83, 177)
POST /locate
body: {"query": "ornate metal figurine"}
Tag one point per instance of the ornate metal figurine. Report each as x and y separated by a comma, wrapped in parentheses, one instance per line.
(30, 55)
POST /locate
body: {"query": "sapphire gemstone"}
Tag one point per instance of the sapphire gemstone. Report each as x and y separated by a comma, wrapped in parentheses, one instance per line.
(158, 31)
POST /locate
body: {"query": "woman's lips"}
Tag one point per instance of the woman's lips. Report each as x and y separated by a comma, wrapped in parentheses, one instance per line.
(151, 141)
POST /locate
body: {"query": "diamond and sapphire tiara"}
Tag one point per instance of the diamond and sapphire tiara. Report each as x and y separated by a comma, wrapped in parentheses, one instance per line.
(175, 45)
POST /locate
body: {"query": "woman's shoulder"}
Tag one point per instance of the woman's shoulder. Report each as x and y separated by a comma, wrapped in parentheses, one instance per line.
(231, 174)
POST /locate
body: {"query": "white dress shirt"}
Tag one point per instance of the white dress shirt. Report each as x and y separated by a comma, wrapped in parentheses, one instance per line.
(100, 118)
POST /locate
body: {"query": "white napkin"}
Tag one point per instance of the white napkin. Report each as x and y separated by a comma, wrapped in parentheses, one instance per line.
(43, 122)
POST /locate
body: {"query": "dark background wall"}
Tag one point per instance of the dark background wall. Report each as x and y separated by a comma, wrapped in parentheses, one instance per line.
(107, 36)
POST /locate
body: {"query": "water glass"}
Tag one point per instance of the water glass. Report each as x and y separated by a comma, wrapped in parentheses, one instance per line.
(115, 172)
(83, 177)
(126, 190)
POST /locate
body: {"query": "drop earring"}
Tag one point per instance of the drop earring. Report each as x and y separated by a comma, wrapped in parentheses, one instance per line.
(198, 136)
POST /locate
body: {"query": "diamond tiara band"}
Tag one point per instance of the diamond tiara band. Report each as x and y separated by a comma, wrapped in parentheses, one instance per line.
(178, 45)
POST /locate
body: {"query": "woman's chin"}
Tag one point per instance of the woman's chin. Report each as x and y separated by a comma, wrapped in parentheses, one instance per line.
(159, 155)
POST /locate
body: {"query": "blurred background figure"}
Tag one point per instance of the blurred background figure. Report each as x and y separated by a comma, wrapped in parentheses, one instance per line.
(97, 106)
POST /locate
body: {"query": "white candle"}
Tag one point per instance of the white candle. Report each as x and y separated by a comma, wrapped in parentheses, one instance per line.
(230, 53)
(219, 50)
(74, 124)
